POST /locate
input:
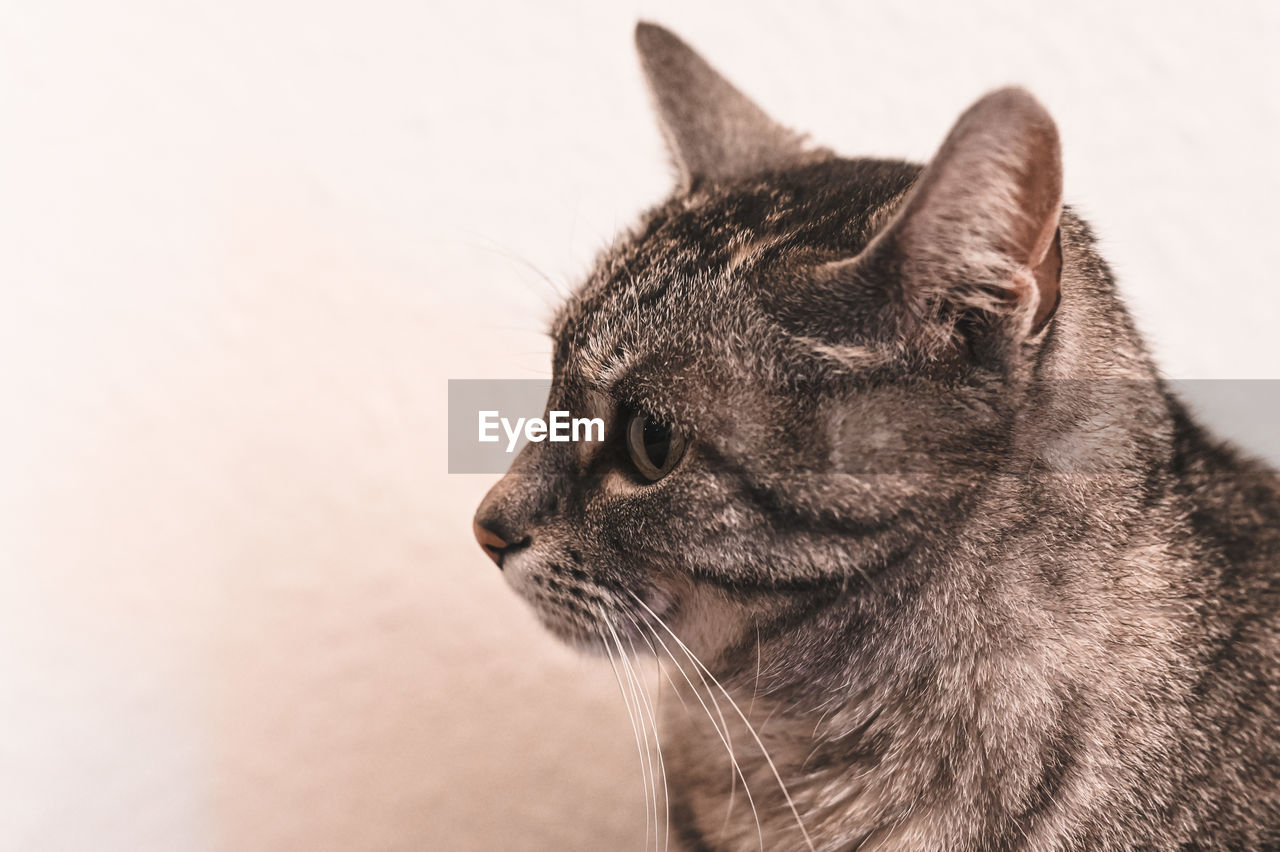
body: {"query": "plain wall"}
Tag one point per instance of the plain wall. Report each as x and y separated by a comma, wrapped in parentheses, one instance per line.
(244, 245)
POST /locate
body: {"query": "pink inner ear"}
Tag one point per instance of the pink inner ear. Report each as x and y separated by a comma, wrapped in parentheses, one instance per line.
(1048, 275)
(1042, 200)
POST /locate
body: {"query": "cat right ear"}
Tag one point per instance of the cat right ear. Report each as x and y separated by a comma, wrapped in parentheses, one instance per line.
(977, 234)
(713, 131)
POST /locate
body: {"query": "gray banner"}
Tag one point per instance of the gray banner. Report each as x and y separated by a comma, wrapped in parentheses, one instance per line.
(490, 420)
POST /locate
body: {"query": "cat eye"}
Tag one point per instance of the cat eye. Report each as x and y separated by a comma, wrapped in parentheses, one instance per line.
(655, 447)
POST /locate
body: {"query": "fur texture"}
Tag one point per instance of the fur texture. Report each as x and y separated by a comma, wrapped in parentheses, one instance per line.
(972, 575)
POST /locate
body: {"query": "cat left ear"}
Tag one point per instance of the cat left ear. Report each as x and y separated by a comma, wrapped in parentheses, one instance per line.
(712, 130)
(979, 229)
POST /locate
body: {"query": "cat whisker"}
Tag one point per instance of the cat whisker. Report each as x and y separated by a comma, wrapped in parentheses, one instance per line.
(755, 691)
(750, 729)
(638, 702)
(725, 737)
(653, 721)
(637, 695)
(644, 631)
(641, 630)
(634, 729)
(728, 811)
(502, 250)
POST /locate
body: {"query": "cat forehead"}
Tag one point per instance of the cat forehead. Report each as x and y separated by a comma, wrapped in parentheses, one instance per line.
(694, 264)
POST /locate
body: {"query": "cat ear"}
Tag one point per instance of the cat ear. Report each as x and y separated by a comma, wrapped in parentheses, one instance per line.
(712, 129)
(979, 229)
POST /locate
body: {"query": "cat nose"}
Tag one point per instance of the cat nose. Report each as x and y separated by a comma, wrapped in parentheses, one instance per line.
(493, 544)
(510, 511)
(490, 542)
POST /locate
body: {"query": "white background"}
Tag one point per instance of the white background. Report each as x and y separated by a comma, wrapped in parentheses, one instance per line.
(244, 245)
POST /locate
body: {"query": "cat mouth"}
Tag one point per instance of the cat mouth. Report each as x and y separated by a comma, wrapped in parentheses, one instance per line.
(588, 609)
(603, 622)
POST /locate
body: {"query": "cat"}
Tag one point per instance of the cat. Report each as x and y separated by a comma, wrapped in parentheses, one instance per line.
(892, 485)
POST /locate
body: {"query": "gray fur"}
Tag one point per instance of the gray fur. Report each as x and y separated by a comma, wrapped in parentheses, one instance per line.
(972, 573)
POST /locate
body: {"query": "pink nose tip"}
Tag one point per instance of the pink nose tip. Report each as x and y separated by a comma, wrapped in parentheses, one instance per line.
(490, 542)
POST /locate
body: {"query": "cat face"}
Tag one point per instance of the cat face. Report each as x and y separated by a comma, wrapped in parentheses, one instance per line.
(805, 364)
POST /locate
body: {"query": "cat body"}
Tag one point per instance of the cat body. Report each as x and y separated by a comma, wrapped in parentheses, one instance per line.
(941, 558)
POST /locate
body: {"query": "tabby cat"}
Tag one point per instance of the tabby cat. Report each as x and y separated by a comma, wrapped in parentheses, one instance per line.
(892, 486)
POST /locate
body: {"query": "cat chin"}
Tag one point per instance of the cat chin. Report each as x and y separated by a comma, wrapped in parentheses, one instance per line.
(615, 627)
(576, 636)
(595, 639)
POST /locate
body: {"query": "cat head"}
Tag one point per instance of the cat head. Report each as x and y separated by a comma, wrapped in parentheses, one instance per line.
(806, 365)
